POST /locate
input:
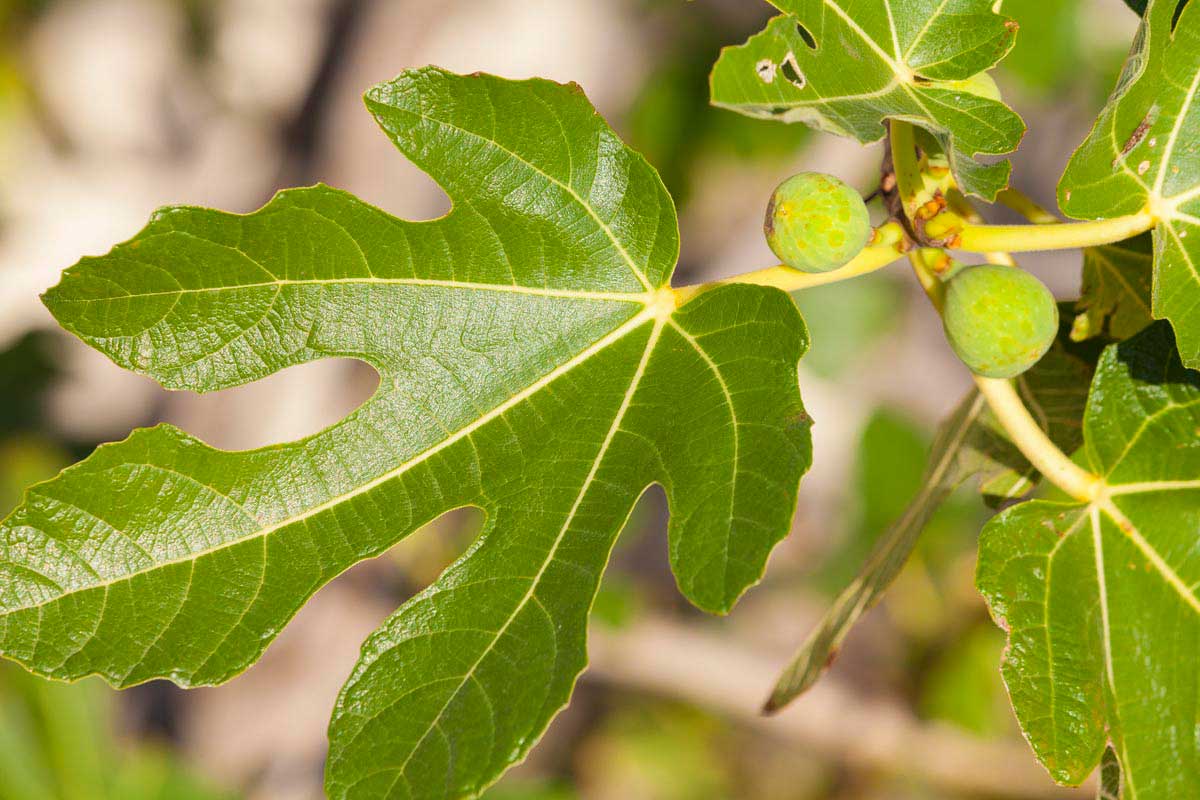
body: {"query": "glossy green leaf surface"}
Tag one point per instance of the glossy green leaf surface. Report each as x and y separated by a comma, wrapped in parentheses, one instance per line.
(1115, 299)
(1144, 152)
(532, 363)
(969, 443)
(845, 67)
(1099, 599)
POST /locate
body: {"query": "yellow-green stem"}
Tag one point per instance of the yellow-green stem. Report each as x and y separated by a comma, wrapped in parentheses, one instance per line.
(1004, 401)
(962, 206)
(1026, 207)
(1034, 444)
(964, 235)
(934, 288)
(887, 245)
(908, 170)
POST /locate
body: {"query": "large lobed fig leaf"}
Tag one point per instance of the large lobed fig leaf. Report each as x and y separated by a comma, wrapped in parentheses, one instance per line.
(533, 363)
(1099, 598)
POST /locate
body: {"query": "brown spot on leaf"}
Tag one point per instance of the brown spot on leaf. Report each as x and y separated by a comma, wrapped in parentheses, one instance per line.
(1136, 137)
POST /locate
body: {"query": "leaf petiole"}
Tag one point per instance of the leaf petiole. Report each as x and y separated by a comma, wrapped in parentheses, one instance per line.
(1001, 396)
(1034, 444)
(960, 234)
(1026, 207)
(909, 181)
(887, 245)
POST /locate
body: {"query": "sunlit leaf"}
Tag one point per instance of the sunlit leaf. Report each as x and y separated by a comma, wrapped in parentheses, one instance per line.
(1099, 599)
(845, 67)
(532, 362)
(1144, 153)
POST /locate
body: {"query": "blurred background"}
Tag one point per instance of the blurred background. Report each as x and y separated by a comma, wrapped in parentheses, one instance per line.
(110, 108)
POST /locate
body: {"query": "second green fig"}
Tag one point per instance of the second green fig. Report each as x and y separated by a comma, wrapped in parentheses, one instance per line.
(1000, 320)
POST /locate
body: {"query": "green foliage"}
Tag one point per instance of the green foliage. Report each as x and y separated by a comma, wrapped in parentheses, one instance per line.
(535, 364)
(815, 222)
(1115, 298)
(969, 443)
(847, 320)
(1144, 151)
(960, 686)
(999, 320)
(1055, 391)
(57, 742)
(663, 751)
(26, 370)
(890, 459)
(1099, 598)
(845, 69)
(671, 121)
(1046, 56)
(531, 365)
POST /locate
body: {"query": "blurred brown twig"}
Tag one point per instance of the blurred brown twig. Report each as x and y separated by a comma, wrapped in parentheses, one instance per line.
(688, 663)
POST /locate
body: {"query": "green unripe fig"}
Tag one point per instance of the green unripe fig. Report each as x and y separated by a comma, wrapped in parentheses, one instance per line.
(1000, 320)
(816, 223)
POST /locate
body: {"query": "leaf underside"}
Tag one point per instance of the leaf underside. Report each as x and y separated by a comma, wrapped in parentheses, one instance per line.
(531, 365)
(1116, 296)
(846, 67)
(1144, 151)
(1099, 599)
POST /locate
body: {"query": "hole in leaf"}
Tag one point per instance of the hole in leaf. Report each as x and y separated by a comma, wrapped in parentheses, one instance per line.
(791, 71)
(807, 36)
(1178, 12)
(765, 70)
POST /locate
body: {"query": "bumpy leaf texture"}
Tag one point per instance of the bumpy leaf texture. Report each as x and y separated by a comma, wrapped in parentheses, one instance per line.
(845, 66)
(532, 362)
(1099, 599)
(1144, 152)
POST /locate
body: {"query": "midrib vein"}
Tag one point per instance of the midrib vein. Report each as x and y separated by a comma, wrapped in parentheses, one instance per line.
(1126, 526)
(558, 539)
(625, 297)
(599, 345)
(1169, 150)
(1152, 486)
(853, 25)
